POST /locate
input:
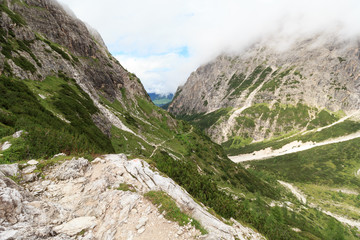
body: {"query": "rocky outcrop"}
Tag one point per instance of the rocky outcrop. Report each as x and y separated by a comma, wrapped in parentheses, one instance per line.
(320, 72)
(80, 200)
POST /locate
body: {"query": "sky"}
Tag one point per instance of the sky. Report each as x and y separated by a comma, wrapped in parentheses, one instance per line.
(163, 41)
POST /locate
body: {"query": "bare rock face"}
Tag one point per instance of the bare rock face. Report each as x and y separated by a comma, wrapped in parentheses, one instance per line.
(319, 72)
(90, 206)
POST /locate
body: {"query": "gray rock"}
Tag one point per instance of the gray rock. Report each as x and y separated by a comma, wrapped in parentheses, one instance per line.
(71, 169)
(5, 146)
(58, 155)
(17, 134)
(10, 204)
(32, 162)
(28, 169)
(76, 225)
(141, 223)
(10, 169)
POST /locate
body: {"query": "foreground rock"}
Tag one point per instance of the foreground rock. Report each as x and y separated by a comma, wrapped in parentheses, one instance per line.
(80, 200)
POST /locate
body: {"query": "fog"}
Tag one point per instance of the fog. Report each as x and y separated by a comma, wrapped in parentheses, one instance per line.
(163, 41)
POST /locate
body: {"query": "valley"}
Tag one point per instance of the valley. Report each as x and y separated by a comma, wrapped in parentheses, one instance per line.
(260, 145)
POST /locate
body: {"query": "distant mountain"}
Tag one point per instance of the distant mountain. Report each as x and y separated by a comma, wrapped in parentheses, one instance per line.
(161, 99)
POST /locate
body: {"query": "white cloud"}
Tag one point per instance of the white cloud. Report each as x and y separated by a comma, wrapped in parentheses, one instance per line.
(146, 35)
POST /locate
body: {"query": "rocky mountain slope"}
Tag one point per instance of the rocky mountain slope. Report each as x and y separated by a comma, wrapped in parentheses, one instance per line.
(266, 92)
(288, 115)
(62, 92)
(105, 199)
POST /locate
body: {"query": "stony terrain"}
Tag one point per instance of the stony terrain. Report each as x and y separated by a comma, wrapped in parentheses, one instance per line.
(77, 199)
(318, 72)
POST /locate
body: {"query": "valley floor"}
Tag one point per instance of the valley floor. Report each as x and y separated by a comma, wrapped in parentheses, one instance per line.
(293, 147)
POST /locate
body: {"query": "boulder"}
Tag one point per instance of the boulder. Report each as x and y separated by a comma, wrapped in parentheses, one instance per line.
(10, 170)
(71, 169)
(5, 146)
(76, 225)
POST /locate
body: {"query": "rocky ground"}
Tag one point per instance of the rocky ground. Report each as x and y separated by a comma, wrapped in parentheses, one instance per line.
(78, 199)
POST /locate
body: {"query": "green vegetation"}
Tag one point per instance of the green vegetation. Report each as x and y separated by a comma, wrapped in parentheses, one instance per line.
(248, 81)
(160, 102)
(323, 118)
(235, 81)
(333, 165)
(9, 45)
(340, 129)
(261, 78)
(341, 59)
(47, 134)
(204, 121)
(276, 81)
(326, 174)
(16, 18)
(126, 187)
(172, 212)
(24, 64)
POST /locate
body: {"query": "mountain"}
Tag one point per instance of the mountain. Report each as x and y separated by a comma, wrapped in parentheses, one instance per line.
(85, 154)
(265, 92)
(289, 115)
(63, 98)
(160, 99)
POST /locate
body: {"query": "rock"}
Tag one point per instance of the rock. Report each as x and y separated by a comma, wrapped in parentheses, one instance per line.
(32, 162)
(10, 204)
(141, 223)
(42, 96)
(5, 146)
(141, 230)
(10, 170)
(71, 169)
(58, 155)
(8, 235)
(30, 177)
(17, 134)
(76, 225)
(316, 70)
(28, 169)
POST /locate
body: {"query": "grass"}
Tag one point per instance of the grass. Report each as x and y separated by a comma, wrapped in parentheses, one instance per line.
(248, 81)
(47, 134)
(205, 121)
(332, 165)
(126, 187)
(338, 130)
(160, 102)
(172, 211)
(15, 18)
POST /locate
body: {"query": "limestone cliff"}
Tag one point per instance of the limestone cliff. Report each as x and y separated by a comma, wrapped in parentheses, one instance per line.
(312, 74)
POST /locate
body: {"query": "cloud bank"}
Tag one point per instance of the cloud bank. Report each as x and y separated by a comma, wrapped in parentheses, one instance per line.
(163, 41)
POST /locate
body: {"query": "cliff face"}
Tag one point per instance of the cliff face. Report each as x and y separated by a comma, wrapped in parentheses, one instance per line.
(60, 42)
(61, 91)
(313, 74)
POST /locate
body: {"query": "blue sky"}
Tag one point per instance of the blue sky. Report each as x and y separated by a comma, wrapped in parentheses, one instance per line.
(163, 41)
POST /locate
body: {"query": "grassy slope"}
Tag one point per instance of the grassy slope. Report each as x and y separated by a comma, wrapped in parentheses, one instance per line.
(338, 130)
(321, 172)
(183, 153)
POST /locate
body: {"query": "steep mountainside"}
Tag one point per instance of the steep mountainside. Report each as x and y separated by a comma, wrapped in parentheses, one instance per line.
(265, 92)
(289, 116)
(62, 92)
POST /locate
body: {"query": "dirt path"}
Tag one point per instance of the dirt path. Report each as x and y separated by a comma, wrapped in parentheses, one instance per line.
(298, 194)
(296, 146)
(162, 143)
